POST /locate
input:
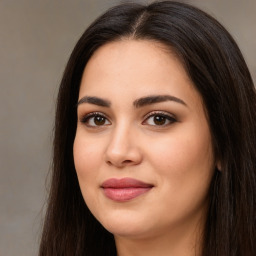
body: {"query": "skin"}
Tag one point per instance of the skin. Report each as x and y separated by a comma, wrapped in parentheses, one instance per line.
(175, 156)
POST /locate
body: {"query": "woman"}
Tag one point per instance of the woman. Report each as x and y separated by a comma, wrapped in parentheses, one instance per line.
(155, 134)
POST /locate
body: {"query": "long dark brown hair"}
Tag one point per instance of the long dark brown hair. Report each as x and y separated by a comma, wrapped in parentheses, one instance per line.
(215, 64)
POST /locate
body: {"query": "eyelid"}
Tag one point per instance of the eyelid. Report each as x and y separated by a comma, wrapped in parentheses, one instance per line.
(84, 118)
(172, 119)
(160, 112)
(167, 115)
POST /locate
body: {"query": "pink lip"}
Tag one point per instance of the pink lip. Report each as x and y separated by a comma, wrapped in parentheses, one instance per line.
(125, 189)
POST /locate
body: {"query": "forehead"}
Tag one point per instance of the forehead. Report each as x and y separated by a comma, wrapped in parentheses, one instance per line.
(124, 55)
(135, 68)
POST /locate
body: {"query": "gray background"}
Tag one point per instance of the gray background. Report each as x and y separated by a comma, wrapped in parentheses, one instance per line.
(36, 38)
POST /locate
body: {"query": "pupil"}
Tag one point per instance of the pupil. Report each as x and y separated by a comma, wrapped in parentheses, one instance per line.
(159, 120)
(99, 120)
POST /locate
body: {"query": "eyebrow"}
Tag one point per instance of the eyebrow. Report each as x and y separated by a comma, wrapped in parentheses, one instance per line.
(94, 100)
(152, 99)
(156, 99)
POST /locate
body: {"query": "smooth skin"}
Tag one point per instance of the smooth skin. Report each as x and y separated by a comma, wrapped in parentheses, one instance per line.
(167, 144)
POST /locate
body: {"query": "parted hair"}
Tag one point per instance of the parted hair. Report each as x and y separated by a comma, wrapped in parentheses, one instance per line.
(217, 68)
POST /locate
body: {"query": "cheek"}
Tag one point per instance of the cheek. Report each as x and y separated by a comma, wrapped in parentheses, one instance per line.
(184, 168)
(189, 146)
(184, 160)
(185, 155)
(87, 158)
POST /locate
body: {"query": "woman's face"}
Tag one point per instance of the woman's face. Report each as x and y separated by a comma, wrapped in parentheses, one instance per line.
(142, 151)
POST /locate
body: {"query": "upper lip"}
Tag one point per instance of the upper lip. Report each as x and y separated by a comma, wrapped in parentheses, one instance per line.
(125, 183)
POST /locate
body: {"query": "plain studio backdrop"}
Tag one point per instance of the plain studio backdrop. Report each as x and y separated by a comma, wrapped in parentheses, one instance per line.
(36, 39)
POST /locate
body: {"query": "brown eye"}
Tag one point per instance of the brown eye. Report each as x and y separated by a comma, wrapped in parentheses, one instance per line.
(94, 120)
(159, 119)
(99, 120)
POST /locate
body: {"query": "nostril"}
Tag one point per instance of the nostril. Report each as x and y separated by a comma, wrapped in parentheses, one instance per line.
(127, 161)
(109, 163)
(121, 164)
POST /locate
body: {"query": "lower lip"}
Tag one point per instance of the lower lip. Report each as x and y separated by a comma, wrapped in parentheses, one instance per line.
(124, 194)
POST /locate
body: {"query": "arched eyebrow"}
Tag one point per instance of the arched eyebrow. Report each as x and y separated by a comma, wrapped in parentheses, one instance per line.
(152, 99)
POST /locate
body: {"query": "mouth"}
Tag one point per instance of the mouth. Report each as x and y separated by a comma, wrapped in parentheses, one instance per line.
(125, 189)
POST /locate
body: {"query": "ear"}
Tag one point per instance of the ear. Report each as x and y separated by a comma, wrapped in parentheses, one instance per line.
(218, 165)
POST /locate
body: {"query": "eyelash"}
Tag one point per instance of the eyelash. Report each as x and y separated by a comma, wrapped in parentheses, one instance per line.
(85, 119)
(166, 118)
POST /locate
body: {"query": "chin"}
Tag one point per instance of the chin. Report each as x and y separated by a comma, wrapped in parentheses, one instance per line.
(128, 231)
(124, 225)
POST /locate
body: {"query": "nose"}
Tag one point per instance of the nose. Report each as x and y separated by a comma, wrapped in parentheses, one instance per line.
(123, 149)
